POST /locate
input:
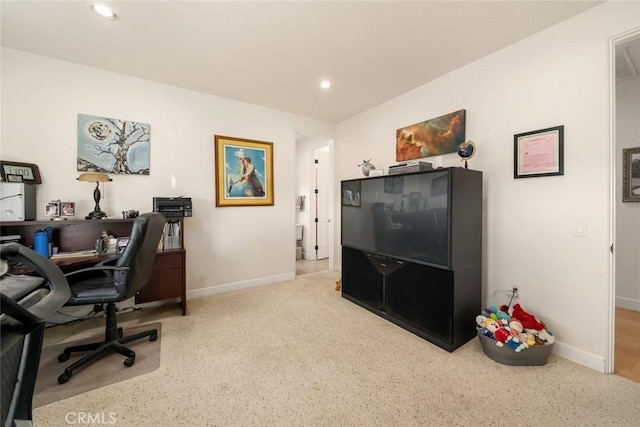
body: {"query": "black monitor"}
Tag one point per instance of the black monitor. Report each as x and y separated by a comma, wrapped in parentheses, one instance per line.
(404, 216)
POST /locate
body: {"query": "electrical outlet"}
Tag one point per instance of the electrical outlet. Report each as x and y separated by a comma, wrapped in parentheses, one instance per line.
(515, 292)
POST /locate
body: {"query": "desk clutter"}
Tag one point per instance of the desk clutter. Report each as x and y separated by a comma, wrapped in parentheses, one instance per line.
(75, 254)
(170, 236)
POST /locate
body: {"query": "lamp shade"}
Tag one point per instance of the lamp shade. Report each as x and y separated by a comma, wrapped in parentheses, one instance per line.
(94, 177)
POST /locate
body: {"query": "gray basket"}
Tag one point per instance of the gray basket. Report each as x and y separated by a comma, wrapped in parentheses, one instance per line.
(536, 355)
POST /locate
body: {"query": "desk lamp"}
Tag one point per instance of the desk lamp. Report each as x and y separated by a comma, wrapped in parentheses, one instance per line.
(97, 178)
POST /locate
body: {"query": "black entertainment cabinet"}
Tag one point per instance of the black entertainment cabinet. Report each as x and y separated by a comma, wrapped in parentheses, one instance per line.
(412, 251)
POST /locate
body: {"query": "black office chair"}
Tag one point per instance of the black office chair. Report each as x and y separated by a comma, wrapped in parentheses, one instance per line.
(113, 281)
(27, 301)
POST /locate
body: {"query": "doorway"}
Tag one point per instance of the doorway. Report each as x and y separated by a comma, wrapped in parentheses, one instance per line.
(625, 228)
(314, 207)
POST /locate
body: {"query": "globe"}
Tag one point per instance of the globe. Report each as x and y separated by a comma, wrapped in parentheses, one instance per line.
(466, 150)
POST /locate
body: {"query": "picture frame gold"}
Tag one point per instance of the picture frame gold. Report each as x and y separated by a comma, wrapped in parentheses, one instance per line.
(631, 174)
(243, 172)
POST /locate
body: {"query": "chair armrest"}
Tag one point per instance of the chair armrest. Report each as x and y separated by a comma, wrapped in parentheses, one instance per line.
(108, 260)
(96, 268)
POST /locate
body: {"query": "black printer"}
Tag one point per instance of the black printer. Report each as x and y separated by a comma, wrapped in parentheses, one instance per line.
(173, 206)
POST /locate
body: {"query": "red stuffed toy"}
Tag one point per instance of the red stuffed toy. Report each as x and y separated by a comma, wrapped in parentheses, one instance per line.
(529, 321)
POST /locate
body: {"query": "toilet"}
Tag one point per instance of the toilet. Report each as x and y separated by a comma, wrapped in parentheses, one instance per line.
(298, 241)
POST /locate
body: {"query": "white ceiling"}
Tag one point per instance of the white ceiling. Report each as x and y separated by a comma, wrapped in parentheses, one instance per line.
(275, 53)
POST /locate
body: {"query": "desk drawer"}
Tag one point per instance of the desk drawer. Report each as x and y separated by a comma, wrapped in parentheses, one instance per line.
(164, 284)
(168, 260)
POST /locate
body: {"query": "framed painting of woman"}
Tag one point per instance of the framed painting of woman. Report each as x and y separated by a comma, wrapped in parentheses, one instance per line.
(244, 172)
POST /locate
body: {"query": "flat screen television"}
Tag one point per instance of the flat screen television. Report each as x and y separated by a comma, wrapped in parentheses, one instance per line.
(403, 216)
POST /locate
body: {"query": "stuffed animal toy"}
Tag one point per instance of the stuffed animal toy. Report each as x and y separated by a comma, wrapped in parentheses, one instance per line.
(502, 336)
(546, 336)
(528, 321)
(497, 315)
(517, 331)
(533, 326)
(481, 321)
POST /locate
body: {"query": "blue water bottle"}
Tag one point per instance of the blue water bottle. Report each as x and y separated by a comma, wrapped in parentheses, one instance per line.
(41, 242)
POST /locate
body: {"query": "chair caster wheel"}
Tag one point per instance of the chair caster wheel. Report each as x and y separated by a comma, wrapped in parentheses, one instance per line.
(63, 358)
(153, 337)
(64, 378)
(129, 361)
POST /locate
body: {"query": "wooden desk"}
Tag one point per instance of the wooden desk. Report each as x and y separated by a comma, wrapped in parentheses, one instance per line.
(169, 269)
(65, 264)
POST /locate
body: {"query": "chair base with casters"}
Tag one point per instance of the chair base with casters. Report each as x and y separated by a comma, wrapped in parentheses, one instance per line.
(112, 281)
(113, 342)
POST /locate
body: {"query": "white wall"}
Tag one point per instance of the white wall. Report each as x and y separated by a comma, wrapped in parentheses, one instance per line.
(227, 247)
(627, 214)
(557, 77)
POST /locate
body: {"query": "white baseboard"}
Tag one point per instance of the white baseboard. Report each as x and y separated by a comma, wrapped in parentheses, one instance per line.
(578, 356)
(228, 287)
(628, 303)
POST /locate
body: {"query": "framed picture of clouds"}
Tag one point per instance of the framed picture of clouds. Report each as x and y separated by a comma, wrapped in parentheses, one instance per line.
(433, 137)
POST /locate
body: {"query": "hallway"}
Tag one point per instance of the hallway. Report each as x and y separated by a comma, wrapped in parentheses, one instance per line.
(304, 266)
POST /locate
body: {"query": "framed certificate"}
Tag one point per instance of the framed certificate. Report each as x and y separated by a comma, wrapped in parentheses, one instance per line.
(539, 153)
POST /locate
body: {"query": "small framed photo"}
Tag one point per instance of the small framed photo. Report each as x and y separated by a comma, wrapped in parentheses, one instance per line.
(631, 174)
(539, 153)
(52, 209)
(68, 209)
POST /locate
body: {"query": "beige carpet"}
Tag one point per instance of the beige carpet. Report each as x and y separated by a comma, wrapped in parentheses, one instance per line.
(108, 370)
(296, 353)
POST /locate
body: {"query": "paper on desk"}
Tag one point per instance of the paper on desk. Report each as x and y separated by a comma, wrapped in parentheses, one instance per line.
(59, 255)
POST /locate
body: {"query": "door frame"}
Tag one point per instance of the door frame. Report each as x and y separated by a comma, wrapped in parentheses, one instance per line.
(613, 181)
(328, 141)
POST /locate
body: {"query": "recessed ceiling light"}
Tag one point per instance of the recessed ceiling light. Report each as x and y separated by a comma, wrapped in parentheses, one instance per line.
(325, 84)
(104, 11)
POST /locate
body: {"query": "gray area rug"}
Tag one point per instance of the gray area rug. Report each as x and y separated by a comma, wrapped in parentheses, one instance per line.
(108, 370)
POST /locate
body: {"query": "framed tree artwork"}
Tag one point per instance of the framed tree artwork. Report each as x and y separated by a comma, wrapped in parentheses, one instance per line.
(113, 145)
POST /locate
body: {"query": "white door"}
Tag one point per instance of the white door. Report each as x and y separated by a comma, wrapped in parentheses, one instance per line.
(322, 203)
